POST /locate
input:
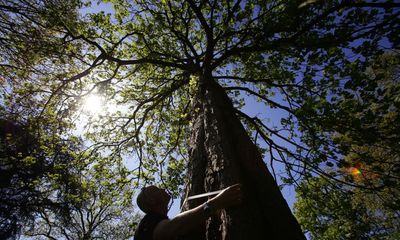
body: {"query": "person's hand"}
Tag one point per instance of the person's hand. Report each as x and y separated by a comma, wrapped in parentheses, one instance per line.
(229, 197)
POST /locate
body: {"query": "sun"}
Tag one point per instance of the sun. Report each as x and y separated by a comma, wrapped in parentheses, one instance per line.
(92, 104)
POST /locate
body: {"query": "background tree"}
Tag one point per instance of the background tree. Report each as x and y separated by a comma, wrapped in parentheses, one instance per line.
(367, 139)
(327, 211)
(37, 173)
(165, 64)
(103, 210)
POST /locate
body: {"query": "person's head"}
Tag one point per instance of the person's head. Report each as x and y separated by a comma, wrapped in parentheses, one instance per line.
(153, 199)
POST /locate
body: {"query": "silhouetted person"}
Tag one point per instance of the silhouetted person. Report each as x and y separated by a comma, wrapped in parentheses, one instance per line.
(155, 225)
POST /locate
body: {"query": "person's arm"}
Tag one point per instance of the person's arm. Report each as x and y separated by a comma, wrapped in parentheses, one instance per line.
(184, 222)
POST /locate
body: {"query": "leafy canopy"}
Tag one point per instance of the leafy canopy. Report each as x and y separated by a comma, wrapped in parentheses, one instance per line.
(147, 58)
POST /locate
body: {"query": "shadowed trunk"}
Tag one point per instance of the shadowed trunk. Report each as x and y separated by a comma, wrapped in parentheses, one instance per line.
(222, 154)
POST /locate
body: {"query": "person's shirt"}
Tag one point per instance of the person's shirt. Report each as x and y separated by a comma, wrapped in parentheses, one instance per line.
(147, 225)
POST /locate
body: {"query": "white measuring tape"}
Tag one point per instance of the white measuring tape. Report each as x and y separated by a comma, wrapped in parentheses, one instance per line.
(204, 195)
(200, 196)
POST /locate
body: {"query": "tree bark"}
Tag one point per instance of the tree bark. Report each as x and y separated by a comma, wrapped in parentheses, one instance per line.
(222, 154)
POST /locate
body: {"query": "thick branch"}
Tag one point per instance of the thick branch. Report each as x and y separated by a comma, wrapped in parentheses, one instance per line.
(201, 18)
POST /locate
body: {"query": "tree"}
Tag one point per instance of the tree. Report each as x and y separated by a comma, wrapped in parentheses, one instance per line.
(36, 172)
(171, 63)
(103, 210)
(368, 143)
(51, 188)
(327, 211)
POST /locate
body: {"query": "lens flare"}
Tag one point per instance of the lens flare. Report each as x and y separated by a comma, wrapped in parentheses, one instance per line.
(355, 171)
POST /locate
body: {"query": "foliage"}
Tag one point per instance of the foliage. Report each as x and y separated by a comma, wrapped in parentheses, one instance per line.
(102, 210)
(368, 140)
(39, 159)
(328, 211)
(37, 172)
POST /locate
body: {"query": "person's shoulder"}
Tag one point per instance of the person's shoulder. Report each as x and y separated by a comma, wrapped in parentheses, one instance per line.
(152, 219)
(161, 231)
(148, 224)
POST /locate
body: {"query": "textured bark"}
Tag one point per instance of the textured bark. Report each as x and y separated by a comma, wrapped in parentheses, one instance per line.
(197, 164)
(222, 154)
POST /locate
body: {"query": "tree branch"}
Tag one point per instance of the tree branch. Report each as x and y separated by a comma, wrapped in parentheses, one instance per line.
(261, 97)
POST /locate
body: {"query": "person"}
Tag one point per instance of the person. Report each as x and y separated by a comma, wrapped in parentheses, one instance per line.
(155, 225)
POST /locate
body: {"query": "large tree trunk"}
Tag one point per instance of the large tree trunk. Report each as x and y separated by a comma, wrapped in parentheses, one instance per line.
(221, 154)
